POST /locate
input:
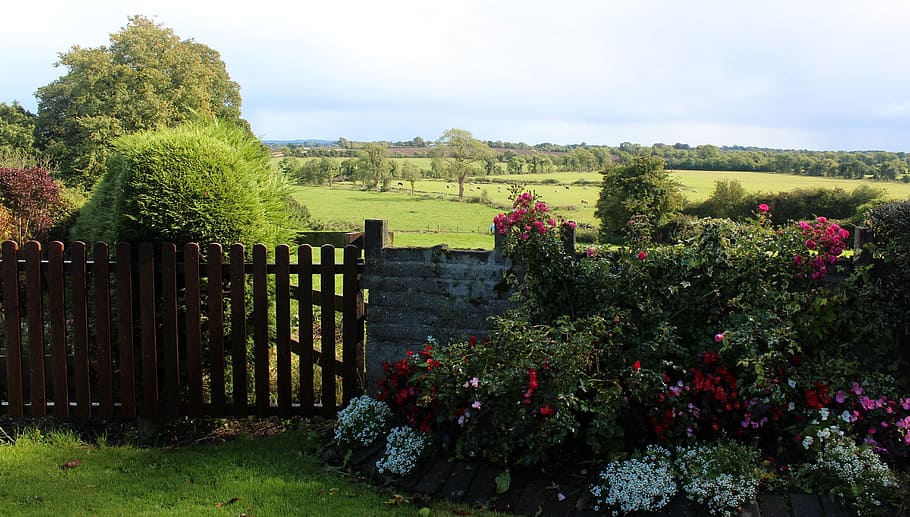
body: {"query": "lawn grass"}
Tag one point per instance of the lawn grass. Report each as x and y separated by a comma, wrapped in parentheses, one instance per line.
(281, 475)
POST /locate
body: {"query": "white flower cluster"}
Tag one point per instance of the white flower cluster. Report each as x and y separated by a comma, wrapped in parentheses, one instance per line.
(641, 483)
(404, 446)
(721, 477)
(363, 421)
(859, 474)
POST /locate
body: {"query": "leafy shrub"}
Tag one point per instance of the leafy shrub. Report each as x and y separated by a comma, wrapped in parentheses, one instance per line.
(31, 202)
(890, 225)
(729, 200)
(198, 182)
(641, 186)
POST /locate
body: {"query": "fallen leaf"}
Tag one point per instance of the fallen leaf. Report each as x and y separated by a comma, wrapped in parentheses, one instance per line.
(398, 499)
(231, 501)
(71, 464)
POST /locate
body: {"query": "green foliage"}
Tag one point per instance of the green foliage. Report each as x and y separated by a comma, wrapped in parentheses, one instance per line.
(890, 225)
(730, 200)
(17, 128)
(641, 186)
(373, 165)
(198, 182)
(457, 153)
(31, 203)
(147, 77)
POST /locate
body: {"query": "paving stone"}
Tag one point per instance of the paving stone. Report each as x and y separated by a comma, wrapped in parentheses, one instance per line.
(807, 505)
(483, 486)
(773, 505)
(540, 498)
(680, 507)
(751, 510)
(509, 501)
(435, 477)
(459, 481)
(362, 455)
(833, 509)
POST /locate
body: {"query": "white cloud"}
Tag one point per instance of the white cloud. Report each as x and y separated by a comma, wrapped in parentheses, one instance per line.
(812, 73)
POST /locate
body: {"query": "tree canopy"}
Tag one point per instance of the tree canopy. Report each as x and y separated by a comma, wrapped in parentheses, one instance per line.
(17, 126)
(460, 151)
(146, 78)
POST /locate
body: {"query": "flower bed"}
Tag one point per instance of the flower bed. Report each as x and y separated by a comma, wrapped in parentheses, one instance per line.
(719, 366)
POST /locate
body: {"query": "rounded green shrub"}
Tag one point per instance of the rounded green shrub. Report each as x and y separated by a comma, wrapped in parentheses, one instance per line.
(206, 181)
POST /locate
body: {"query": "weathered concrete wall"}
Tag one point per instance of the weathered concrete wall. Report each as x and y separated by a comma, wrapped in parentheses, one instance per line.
(418, 292)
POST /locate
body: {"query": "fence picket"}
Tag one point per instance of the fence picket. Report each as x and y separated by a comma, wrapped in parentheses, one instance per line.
(305, 328)
(170, 363)
(215, 302)
(12, 329)
(193, 322)
(238, 329)
(57, 309)
(147, 325)
(283, 328)
(352, 357)
(105, 388)
(261, 328)
(327, 326)
(35, 307)
(79, 305)
(126, 359)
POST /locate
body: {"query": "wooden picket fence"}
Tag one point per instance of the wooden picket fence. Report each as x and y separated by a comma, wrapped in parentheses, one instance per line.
(144, 334)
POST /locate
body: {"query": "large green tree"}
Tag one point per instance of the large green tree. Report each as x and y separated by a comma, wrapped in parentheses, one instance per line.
(17, 127)
(146, 78)
(460, 154)
(373, 164)
(640, 186)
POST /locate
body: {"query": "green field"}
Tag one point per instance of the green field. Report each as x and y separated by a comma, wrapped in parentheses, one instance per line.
(434, 214)
(418, 220)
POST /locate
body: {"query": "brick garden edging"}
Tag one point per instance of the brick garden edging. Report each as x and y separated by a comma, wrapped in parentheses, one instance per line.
(536, 492)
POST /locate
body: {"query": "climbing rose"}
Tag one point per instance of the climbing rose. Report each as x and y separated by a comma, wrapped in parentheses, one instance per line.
(763, 207)
(642, 255)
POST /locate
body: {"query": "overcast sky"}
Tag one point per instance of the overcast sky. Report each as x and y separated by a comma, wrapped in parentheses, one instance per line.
(786, 74)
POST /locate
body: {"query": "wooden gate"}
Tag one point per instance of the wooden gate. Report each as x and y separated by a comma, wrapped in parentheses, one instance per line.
(155, 333)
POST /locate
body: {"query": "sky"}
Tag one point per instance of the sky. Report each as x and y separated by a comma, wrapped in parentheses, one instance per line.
(808, 74)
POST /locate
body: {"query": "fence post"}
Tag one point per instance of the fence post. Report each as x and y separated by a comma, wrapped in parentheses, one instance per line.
(568, 239)
(375, 237)
(861, 237)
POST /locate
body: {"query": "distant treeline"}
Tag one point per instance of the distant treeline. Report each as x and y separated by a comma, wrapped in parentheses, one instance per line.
(518, 158)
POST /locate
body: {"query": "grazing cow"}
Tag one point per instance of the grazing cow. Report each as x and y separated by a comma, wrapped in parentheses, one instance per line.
(400, 184)
(584, 201)
(567, 187)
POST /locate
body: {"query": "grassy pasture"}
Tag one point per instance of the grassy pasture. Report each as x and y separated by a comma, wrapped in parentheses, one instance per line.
(434, 214)
(418, 220)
